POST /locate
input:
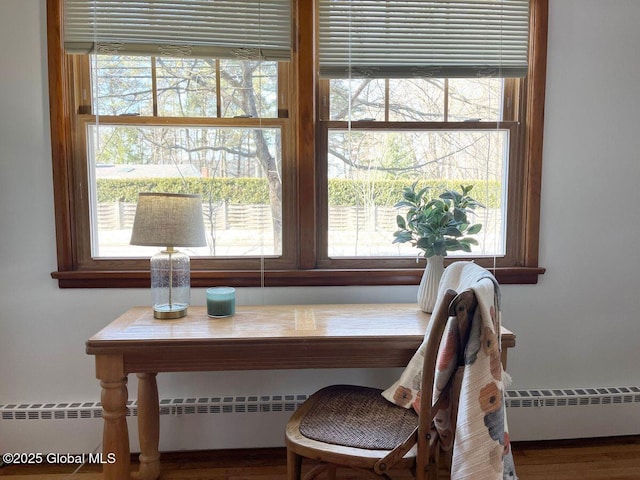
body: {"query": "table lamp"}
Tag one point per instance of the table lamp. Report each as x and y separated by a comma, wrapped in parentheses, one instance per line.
(169, 220)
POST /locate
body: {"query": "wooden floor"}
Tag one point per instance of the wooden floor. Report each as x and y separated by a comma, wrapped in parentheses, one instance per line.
(594, 459)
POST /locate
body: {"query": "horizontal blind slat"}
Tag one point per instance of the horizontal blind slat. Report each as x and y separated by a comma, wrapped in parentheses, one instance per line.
(255, 28)
(398, 37)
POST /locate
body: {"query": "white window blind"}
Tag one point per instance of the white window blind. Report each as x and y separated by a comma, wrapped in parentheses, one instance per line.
(422, 38)
(247, 29)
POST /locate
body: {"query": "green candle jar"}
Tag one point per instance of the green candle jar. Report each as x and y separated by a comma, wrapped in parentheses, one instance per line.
(221, 301)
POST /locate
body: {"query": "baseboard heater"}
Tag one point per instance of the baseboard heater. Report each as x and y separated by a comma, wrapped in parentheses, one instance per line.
(535, 398)
(572, 397)
(170, 406)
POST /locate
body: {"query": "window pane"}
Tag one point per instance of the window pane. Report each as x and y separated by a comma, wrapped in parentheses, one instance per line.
(358, 99)
(368, 169)
(186, 87)
(416, 100)
(122, 85)
(236, 170)
(249, 88)
(475, 99)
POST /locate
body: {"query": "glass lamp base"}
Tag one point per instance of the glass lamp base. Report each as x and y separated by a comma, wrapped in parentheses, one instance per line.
(174, 310)
(170, 284)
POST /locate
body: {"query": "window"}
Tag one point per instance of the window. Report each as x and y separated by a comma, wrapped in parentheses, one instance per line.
(394, 132)
(229, 150)
(299, 170)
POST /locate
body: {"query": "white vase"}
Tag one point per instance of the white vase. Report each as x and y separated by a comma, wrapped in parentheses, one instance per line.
(428, 289)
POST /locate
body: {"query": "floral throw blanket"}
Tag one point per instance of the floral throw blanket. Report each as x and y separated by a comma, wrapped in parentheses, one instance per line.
(481, 449)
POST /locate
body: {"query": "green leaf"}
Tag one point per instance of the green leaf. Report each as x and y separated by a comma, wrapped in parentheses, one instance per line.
(409, 195)
(444, 220)
(452, 231)
(459, 215)
(403, 203)
(401, 222)
(424, 242)
(401, 236)
(433, 203)
(465, 247)
(440, 248)
(450, 195)
(473, 229)
(427, 229)
(469, 240)
(422, 192)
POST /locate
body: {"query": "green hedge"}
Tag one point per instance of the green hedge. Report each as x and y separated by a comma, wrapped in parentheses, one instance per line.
(255, 191)
(234, 190)
(388, 192)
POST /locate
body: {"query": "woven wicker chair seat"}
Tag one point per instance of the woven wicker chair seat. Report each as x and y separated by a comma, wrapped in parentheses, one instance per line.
(358, 417)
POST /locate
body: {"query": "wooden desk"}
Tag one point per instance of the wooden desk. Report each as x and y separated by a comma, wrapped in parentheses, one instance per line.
(256, 337)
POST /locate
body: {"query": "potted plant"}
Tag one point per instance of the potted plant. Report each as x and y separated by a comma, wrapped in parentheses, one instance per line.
(436, 226)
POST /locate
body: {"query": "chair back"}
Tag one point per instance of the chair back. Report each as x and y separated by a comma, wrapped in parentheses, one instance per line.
(462, 307)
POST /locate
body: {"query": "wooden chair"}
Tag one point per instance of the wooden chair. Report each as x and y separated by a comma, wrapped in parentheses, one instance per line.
(355, 427)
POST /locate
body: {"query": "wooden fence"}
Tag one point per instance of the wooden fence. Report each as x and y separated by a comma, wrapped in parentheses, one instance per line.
(226, 216)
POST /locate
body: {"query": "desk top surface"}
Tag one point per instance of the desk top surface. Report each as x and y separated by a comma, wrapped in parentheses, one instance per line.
(138, 327)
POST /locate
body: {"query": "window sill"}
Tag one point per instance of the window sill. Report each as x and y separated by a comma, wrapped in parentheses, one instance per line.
(278, 278)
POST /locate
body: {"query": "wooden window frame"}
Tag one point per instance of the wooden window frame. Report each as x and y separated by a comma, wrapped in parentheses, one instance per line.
(303, 265)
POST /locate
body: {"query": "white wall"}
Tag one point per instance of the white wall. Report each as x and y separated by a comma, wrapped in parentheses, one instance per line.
(578, 327)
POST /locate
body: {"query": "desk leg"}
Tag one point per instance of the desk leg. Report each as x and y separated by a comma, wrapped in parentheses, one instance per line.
(115, 437)
(503, 359)
(148, 426)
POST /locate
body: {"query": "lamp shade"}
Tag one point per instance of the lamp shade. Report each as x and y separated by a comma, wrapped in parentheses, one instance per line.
(168, 220)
